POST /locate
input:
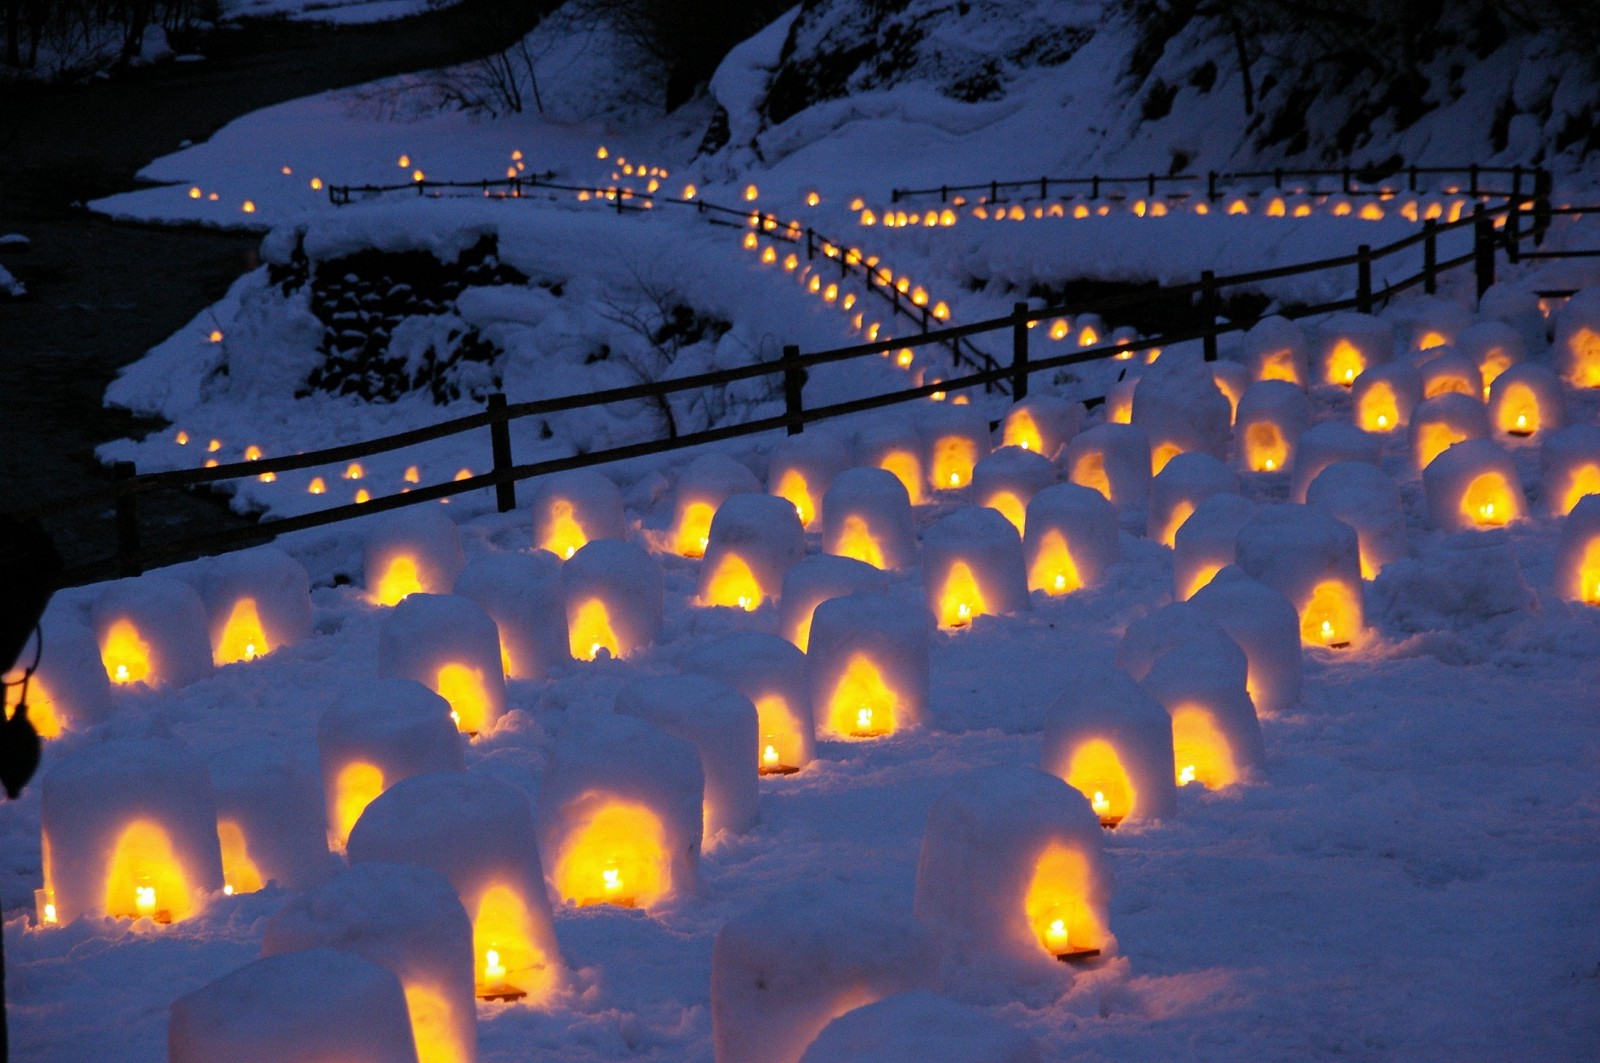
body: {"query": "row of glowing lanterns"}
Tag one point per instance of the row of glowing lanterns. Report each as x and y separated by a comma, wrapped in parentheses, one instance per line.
(317, 485)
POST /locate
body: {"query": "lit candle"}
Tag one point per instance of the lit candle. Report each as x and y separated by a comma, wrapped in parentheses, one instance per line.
(611, 880)
(45, 902)
(1099, 803)
(493, 969)
(864, 719)
(1055, 936)
(1327, 630)
(769, 756)
(144, 900)
(1186, 776)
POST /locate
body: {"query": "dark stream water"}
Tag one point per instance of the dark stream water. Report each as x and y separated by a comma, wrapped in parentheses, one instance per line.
(102, 293)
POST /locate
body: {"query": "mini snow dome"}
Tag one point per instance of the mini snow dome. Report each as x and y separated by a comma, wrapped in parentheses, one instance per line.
(1577, 340)
(257, 600)
(1007, 479)
(1114, 459)
(1187, 481)
(449, 645)
(707, 482)
(479, 834)
(1364, 497)
(1507, 306)
(1473, 486)
(70, 690)
(722, 725)
(815, 580)
(782, 971)
(408, 920)
(1264, 624)
(1041, 423)
(972, 566)
(1312, 559)
(1347, 345)
(771, 672)
(916, 1027)
(151, 630)
(1446, 371)
(754, 540)
(1272, 415)
(1151, 637)
(868, 664)
(1493, 346)
(802, 467)
(1324, 444)
(1013, 869)
(1440, 423)
(896, 448)
(1569, 463)
(954, 439)
(1276, 348)
(1216, 738)
(271, 821)
(1385, 396)
(1207, 542)
(1578, 557)
(571, 509)
(130, 829)
(376, 735)
(1071, 540)
(521, 593)
(1112, 743)
(1430, 323)
(1527, 400)
(621, 813)
(614, 599)
(415, 549)
(1179, 407)
(866, 515)
(320, 1004)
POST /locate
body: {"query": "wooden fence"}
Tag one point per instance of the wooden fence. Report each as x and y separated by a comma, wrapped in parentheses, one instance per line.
(123, 492)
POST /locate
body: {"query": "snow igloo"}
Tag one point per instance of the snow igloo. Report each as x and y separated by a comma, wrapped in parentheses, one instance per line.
(1114, 459)
(479, 834)
(1007, 479)
(722, 725)
(1577, 572)
(407, 920)
(954, 438)
(1526, 401)
(1494, 346)
(868, 664)
(271, 822)
(815, 580)
(70, 690)
(521, 593)
(620, 813)
(782, 971)
(1112, 742)
(896, 448)
(1446, 370)
(972, 566)
(416, 549)
(1264, 624)
(801, 469)
(754, 540)
(866, 516)
(1326, 443)
(1207, 542)
(1041, 423)
(572, 509)
(257, 601)
(1216, 737)
(1013, 873)
(1071, 539)
(917, 1026)
(1577, 340)
(376, 735)
(1439, 423)
(771, 672)
(1569, 468)
(704, 485)
(1347, 345)
(1188, 480)
(615, 598)
(1473, 486)
(152, 630)
(449, 645)
(129, 829)
(1314, 560)
(1272, 415)
(1180, 408)
(1367, 499)
(1276, 348)
(1384, 397)
(296, 1006)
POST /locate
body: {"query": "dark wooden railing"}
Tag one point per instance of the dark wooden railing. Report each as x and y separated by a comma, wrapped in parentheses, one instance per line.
(123, 492)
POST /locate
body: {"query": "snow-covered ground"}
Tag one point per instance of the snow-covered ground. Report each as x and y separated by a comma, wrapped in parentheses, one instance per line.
(1416, 875)
(343, 12)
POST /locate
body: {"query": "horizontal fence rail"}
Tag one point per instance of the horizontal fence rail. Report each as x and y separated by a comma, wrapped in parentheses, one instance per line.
(1495, 230)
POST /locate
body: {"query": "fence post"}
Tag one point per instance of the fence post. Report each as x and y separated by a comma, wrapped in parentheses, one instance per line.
(794, 382)
(1483, 249)
(944, 194)
(811, 243)
(894, 195)
(1543, 184)
(1044, 188)
(1514, 229)
(127, 522)
(1430, 256)
(1411, 178)
(1094, 187)
(1211, 185)
(1208, 311)
(994, 191)
(1364, 278)
(1345, 175)
(1019, 351)
(1277, 178)
(1150, 186)
(1472, 179)
(505, 492)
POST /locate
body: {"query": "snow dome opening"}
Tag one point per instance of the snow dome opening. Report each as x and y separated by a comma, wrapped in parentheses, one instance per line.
(1071, 539)
(271, 821)
(1275, 348)
(702, 488)
(1577, 340)
(771, 672)
(1271, 417)
(571, 509)
(896, 449)
(152, 630)
(1527, 400)
(1384, 397)
(1578, 555)
(866, 516)
(1314, 560)
(617, 857)
(614, 598)
(972, 566)
(753, 540)
(1114, 459)
(1042, 424)
(1473, 486)
(1348, 344)
(257, 600)
(956, 439)
(452, 647)
(414, 551)
(1494, 346)
(1440, 423)
(1216, 736)
(1570, 467)
(1449, 371)
(868, 661)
